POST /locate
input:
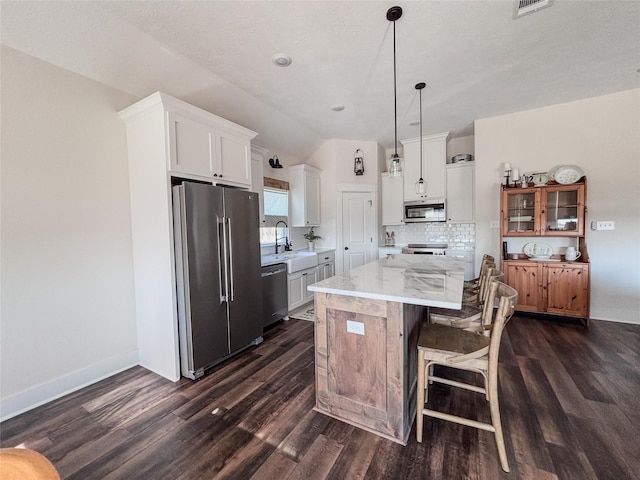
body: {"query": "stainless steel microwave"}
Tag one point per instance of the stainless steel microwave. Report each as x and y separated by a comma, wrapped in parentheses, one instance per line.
(433, 210)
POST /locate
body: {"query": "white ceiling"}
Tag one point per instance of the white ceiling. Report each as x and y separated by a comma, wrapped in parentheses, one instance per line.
(477, 60)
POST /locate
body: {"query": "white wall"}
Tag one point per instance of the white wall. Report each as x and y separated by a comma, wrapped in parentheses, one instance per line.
(68, 315)
(460, 145)
(335, 159)
(602, 136)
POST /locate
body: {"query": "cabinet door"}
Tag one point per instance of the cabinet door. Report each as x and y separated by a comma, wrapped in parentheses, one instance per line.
(310, 277)
(257, 182)
(435, 164)
(234, 159)
(460, 187)
(304, 196)
(567, 289)
(411, 171)
(190, 144)
(325, 270)
(525, 277)
(312, 198)
(296, 290)
(392, 200)
(434, 160)
(329, 270)
(562, 210)
(519, 209)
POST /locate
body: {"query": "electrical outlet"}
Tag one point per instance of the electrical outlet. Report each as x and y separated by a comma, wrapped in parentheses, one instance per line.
(494, 224)
(603, 225)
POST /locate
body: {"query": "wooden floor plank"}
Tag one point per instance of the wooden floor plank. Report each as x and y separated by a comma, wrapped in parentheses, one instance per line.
(569, 403)
(317, 462)
(276, 466)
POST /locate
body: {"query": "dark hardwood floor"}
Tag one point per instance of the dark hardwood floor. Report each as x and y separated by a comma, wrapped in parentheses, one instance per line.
(570, 402)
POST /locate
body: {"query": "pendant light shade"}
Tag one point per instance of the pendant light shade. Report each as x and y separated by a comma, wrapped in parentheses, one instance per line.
(421, 185)
(395, 163)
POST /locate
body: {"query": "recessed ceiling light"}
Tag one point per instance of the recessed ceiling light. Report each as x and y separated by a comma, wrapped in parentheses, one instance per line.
(337, 108)
(281, 59)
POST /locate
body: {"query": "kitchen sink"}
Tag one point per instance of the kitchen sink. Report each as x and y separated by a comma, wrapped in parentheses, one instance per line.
(295, 261)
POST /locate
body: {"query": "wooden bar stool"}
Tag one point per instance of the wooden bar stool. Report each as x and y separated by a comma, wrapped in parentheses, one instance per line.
(470, 315)
(473, 283)
(460, 349)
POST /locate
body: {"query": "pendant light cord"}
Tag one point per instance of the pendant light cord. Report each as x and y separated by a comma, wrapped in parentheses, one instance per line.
(395, 99)
(420, 91)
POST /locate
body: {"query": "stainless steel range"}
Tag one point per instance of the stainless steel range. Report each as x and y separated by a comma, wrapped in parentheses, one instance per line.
(426, 248)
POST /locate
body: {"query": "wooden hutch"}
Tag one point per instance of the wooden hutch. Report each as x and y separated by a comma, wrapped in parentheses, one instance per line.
(553, 286)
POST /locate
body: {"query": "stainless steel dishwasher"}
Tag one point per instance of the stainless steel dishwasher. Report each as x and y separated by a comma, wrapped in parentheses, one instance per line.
(274, 293)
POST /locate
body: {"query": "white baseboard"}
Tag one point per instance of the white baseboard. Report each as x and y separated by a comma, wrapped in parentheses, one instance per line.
(58, 387)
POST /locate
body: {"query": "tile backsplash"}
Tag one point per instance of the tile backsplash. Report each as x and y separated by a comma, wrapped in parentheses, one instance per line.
(457, 235)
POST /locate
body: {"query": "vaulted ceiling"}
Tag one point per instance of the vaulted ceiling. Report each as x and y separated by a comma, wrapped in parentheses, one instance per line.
(476, 58)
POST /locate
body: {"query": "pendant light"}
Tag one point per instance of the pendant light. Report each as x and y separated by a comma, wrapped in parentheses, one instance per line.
(395, 165)
(421, 185)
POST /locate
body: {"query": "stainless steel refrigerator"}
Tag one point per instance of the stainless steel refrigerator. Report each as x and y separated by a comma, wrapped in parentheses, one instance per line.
(217, 249)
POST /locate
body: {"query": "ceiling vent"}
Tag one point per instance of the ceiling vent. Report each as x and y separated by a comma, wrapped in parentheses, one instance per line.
(525, 7)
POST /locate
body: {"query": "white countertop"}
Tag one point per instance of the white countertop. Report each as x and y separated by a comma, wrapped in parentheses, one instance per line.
(434, 281)
(275, 258)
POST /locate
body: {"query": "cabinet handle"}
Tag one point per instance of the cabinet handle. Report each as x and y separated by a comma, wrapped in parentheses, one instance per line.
(346, 248)
(220, 175)
(215, 174)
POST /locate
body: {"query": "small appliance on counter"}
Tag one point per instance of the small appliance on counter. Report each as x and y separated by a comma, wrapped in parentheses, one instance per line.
(390, 241)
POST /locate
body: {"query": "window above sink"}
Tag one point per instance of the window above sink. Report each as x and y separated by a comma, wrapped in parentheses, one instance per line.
(276, 208)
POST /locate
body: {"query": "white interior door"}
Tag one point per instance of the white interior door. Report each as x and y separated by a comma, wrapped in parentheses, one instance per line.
(357, 229)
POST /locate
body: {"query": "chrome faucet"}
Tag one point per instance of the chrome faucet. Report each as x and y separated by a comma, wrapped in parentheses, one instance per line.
(287, 245)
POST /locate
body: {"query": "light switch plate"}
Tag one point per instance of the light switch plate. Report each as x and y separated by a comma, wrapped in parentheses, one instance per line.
(603, 225)
(355, 327)
(494, 224)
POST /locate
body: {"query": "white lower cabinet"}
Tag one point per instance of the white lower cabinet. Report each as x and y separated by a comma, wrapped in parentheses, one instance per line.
(297, 286)
(326, 265)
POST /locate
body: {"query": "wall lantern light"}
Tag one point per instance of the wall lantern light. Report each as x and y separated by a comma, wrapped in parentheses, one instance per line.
(358, 162)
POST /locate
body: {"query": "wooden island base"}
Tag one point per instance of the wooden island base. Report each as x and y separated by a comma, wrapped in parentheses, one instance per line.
(366, 361)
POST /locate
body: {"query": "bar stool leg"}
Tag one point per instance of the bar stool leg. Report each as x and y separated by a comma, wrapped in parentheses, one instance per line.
(420, 396)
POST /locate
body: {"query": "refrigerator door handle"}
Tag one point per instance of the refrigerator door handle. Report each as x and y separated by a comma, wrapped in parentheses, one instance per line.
(231, 284)
(222, 256)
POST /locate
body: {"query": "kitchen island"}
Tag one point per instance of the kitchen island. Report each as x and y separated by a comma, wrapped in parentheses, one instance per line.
(366, 333)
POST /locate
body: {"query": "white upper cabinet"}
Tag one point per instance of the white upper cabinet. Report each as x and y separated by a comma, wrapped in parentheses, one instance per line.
(234, 158)
(460, 191)
(257, 176)
(304, 190)
(203, 145)
(434, 159)
(392, 200)
(190, 146)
